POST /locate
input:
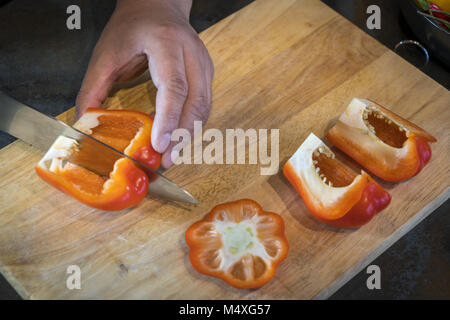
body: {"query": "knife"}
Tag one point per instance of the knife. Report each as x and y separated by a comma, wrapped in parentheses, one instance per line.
(41, 131)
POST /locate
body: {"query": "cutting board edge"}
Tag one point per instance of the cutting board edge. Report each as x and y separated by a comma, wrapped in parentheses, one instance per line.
(340, 281)
(13, 282)
(383, 246)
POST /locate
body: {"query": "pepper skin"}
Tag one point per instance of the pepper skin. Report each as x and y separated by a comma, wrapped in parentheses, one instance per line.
(387, 145)
(106, 184)
(239, 243)
(438, 14)
(332, 192)
(441, 4)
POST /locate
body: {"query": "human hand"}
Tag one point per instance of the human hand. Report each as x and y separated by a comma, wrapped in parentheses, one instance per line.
(153, 34)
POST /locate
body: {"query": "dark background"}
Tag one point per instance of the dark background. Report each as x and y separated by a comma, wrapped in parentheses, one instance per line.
(42, 64)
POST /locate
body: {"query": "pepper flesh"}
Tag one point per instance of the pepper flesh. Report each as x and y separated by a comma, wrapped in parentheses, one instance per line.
(106, 184)
(332, 192)
(387, 145)
(239, 243)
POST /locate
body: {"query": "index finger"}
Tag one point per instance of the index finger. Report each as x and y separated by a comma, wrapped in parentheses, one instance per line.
(166, 65)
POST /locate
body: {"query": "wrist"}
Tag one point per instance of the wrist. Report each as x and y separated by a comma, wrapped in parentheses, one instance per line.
(182, 6)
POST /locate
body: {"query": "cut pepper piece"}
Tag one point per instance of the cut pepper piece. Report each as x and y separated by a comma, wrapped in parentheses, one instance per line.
(332, 192)
(387, 145)
(239, 243)
(106, 184)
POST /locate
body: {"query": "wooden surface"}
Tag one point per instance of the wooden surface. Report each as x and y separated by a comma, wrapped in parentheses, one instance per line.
(291, 65)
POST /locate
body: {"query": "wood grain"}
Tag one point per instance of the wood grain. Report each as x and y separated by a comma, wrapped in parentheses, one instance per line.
(290, 65)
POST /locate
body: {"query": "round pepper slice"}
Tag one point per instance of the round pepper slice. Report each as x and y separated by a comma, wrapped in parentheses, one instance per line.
(239, 243)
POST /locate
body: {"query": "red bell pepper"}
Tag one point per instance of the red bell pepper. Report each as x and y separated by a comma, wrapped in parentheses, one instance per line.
(239, 243)
(438, 14)
(387, 145)
(113, 185)
(332, 192)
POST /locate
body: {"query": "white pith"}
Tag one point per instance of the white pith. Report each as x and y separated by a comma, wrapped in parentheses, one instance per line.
(304, 166)
(63, 147)
(138, 134)
(356, 116)
(231, 236)
(87, 121)
(61, 150)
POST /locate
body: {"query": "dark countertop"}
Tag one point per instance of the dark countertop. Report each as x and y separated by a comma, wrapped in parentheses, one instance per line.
(42, 64)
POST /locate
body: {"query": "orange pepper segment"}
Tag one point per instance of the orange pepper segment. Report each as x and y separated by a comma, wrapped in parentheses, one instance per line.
(332, 192)
(126, 186)
(239, 243)
(106, 184)
(384, 143)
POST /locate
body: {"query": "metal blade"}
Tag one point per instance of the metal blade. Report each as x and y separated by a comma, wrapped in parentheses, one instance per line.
(41, 131)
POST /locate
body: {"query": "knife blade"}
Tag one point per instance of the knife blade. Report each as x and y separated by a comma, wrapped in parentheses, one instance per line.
(40, 130)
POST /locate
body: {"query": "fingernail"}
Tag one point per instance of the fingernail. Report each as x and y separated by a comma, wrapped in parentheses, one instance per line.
(163, 143)
(166, 160)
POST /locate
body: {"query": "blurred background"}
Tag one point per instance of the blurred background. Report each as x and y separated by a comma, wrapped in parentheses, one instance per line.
(42, 64)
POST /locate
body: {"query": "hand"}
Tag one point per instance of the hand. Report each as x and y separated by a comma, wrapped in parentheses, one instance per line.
(154, 34)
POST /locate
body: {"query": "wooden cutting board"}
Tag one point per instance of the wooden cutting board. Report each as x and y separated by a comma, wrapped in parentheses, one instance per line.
(287, 64)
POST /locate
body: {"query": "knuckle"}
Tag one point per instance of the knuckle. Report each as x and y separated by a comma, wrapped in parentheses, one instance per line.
(178, 86)
(202, 102)
(171, 118)
(200, 109)
(170, 31)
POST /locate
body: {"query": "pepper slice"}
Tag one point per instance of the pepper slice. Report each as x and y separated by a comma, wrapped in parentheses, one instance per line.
(332, 192)
(387, 145)
(106, 184)
(239, 243)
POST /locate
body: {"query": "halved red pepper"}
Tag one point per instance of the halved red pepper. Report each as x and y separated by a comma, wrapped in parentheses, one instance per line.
(332, 192)
(239, 243)
(387, 145)
(114, 184)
